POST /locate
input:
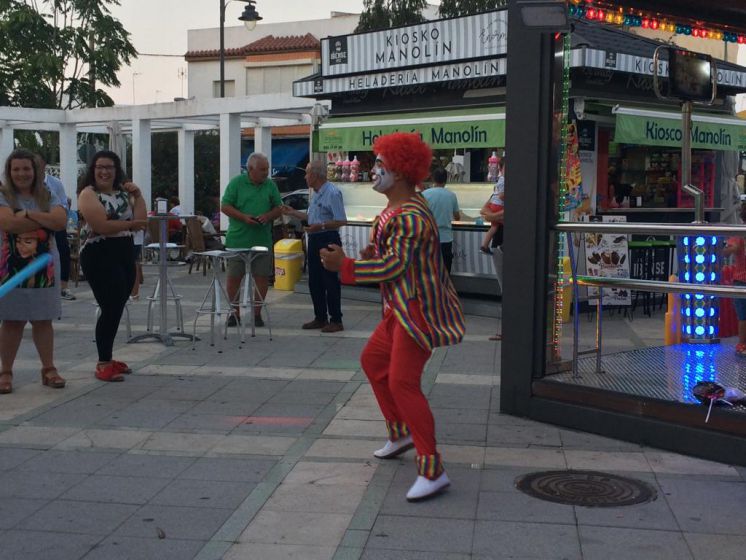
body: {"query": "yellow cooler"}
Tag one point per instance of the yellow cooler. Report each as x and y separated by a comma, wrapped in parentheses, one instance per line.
(288, 263)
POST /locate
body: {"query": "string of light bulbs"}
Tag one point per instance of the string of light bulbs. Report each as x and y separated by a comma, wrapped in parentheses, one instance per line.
(562, 202)
(614, 14)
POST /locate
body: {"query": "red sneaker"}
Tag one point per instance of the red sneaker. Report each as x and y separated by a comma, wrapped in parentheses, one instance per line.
(741, 350)
(108, 372)
(121, 366)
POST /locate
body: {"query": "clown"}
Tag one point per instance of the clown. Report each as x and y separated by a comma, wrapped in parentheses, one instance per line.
(420, 307)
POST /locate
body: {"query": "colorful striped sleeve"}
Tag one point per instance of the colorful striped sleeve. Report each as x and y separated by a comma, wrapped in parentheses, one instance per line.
(398, 251)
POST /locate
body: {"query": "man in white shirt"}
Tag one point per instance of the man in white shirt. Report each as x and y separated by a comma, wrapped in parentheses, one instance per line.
(175, 205)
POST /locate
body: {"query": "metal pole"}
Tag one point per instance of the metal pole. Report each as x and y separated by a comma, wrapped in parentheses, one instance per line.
(599, 333)
(575, 305)
(222, 48)
(163, 271)
(686, 163)
(686, 143)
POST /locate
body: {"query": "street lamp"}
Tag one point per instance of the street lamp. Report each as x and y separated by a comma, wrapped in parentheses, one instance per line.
(249, 16)
(133, 84)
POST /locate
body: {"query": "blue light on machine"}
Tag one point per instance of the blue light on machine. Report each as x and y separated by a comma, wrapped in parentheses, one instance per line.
(699, 265)
(697, 366)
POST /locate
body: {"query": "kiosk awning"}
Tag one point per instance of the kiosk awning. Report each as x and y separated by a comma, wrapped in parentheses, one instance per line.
(457, 128)
(660, 128)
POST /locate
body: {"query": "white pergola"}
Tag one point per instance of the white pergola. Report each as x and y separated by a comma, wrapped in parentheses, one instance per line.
(229, 115)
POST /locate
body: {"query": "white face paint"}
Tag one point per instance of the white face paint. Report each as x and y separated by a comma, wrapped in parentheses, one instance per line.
(384, 179)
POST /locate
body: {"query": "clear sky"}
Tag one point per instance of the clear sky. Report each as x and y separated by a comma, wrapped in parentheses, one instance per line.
(160, 27)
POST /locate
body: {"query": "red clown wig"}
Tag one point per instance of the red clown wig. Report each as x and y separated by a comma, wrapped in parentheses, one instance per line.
(405, 153)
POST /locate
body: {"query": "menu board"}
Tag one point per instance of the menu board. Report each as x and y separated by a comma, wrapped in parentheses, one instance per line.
(607, 255)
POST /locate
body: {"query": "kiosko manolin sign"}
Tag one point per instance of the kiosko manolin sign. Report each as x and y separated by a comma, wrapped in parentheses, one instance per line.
(652, 131)
(428, 43)
(467, 129)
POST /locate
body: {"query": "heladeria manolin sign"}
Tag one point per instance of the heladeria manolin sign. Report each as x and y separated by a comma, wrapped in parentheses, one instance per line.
(654, 131)
(453, 131)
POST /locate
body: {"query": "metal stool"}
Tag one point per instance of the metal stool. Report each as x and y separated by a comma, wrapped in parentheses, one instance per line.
(219, 302)
(247, 300)
(171, 296)
(126, 320)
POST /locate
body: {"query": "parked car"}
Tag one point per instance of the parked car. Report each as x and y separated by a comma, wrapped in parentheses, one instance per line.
(297, 200)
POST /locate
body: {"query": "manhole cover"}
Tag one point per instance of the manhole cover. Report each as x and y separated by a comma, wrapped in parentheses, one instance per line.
(586, 488)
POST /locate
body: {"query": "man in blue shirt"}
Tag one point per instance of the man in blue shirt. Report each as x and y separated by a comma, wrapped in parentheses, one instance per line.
(55, 186)
(444, 206)
(326, 214)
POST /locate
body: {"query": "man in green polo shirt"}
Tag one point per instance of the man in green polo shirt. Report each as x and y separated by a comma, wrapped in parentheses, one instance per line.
(251, 202)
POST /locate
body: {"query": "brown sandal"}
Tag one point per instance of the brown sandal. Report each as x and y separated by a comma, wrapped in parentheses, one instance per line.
(51, 378)
(6, 385)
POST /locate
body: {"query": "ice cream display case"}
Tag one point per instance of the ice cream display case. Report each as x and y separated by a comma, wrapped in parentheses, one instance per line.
(363, 204)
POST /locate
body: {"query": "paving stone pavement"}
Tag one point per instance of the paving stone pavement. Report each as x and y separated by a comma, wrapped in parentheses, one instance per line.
(262, 450)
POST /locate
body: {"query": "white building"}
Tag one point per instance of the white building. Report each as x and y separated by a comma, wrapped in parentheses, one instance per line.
(269, 66)
(281, 53)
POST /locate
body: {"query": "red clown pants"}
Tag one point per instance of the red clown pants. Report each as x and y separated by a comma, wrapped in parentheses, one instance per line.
(393, 363)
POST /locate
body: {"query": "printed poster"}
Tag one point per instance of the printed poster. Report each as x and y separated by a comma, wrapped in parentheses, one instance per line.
(607, 255)
(19, 250)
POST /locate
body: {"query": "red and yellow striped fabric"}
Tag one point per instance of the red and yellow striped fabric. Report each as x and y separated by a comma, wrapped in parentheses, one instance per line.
(413, 278)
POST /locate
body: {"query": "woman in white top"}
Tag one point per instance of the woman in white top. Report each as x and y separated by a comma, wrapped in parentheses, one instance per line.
(29, 216)
(113, 210)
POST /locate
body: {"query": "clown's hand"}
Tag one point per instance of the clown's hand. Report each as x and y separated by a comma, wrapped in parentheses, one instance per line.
(332, 257)
(368, 253)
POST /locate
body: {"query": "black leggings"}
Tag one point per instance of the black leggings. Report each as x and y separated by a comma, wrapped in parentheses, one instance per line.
(109, 267)
(64, 249)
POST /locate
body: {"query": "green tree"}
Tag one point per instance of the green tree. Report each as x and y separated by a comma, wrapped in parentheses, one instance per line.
(374, 16)
(457, 8)
(206, 172)
(406, 12)
(382, 14)
(164, 151)
(56, 53)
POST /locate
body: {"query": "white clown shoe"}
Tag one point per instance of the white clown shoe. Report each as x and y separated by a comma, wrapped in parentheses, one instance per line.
(424, 488)
(394, 448)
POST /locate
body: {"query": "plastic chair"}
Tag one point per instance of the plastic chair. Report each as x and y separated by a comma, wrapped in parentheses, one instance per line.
(196, 246)
(153, 247)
